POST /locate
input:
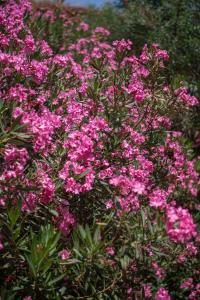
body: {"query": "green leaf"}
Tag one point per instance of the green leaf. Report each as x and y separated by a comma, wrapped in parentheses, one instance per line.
(125, 262)
(31, 265)
(80, 176)
(13, 215)
(71, 261)
(82, 232)
(51, 282)
(97, 235)
(143, 217)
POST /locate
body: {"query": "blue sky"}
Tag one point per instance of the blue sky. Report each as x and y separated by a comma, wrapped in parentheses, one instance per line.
(97, 3)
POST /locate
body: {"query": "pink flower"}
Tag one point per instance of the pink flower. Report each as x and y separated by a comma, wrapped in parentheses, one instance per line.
(29, 44)
(83, 26)
(184, 97)
(158, 198)
(109, 204)
(122, 45)
(1, 246)
(64, 254)
(180, 225)
(193, 295)
(2, 202)
(147, 290)
(192, 249)
(110, 250)
(138, 187)
(102, 31)
(15, 161)
(160, 272)
(187, 284)
(162, 54)
(162, 294)
(181, 259)
(65, 220)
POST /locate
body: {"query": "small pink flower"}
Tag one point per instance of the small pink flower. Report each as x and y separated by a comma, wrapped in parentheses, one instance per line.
(198, 287)
(109, 204)
(162, 294)
(158, 198)
(192, 249)
(193, 295)
(147, 290)
(181, 259)
(83, 26)
(187, 284)
(1, 246)
(2, 202)
(64, 254)
(162, 54)
(110, 250)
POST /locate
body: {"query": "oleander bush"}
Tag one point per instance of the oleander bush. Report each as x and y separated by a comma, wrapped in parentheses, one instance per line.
(99, 190)
(174, 25)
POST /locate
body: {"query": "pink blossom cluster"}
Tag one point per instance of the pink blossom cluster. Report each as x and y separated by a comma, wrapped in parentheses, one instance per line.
(162, 294)
(41, 125)
(15, 160)
(185, 97)
(180, 225)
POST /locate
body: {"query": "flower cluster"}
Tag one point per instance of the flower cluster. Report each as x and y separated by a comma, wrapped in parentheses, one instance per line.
(180, 225)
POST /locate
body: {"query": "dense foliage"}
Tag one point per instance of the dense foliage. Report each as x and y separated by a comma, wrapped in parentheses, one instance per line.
(174, 24)
(98, 188)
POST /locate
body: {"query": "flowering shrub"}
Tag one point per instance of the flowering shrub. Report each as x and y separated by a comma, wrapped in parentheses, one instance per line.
(98, 191)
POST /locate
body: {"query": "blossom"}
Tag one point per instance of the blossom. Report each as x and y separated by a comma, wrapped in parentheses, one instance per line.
(187, 284)
(83, 26)
(147, 290)
(191, 249)
(110, 250)
(158, 198)
(180, 225)
(162, 294)
(184, 97)
(65, 220)
(162, 54)
(159, 271)
(102, 31)
(122, 45)
(138, 187)
(15, 161)
(64, 254)
(1, 246)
